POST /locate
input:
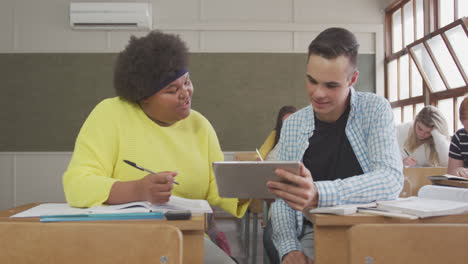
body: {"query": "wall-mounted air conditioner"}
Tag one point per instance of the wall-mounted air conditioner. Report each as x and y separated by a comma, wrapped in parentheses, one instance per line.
(111, 16)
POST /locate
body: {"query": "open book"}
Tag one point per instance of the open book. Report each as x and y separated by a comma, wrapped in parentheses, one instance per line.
(175, 203)
(449, 180)
(432, 200)
(447, 177)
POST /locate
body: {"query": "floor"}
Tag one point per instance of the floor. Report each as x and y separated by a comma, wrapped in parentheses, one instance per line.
(235, 233)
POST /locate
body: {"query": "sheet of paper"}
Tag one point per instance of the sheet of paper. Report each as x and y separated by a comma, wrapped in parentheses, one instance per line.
(51, 209)
(175, 203)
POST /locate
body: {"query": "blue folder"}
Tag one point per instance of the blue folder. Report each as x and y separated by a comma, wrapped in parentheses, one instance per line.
(101, 217)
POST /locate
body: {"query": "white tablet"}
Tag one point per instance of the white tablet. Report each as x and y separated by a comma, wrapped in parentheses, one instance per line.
(247, 179)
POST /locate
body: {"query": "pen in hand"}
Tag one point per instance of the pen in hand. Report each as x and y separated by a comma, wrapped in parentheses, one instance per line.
(133, 164)
(406, 152)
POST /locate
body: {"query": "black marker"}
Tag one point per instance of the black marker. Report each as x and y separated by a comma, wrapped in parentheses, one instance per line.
(133, 164)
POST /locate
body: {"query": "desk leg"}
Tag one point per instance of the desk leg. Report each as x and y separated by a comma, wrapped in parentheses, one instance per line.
(331, 244)
(194, 251)
(247, 235)
(254, 238)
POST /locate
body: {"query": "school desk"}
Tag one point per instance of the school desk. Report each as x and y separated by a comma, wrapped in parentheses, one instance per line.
(331, 232)
(192, 230)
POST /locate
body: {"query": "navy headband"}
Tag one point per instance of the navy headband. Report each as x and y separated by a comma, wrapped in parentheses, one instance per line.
(164, 83)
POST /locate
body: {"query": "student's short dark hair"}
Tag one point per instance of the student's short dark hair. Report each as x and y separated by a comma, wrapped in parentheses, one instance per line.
(146, 63)
(334, 42)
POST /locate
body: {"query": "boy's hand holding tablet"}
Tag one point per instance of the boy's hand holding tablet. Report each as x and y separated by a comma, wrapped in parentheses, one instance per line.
(296, 189)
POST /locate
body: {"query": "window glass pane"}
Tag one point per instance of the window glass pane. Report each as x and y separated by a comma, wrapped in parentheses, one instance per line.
(462, 8)
(458, 123)
(459, 42)
(446, 107)
(408, 113)
(408, 22)
(445, 61)
(435, 82)
(418, 108)
(397, 115)
(446, 12)
(404, 77)
(396, 31)
(419, 19)
(416, 81)
(392, 81)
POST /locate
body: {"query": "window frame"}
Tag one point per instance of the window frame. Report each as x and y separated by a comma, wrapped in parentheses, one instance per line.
(431, 29)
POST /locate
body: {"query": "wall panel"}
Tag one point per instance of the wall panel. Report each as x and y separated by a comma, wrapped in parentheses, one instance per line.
(46, 97)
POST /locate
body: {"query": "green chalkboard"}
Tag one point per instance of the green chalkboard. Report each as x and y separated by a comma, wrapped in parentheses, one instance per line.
(45, 98)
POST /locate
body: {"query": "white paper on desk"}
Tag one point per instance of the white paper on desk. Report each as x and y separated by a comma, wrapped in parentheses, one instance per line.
(51, 209)
(444, 193)
(424, 207)
(175, 203)
(344, 209)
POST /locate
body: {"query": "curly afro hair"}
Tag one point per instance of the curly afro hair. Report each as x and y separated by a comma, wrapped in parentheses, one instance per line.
(146, 63)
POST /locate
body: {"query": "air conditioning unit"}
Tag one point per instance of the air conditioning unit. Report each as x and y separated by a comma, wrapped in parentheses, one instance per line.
(111, 16)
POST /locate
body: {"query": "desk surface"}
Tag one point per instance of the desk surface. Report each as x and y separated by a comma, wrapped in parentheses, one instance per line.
(360, 218)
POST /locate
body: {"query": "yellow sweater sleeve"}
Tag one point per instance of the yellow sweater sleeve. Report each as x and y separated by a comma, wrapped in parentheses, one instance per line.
(268, 145)
(87, 181)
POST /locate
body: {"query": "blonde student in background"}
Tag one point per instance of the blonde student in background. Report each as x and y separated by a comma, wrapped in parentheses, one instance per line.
(151, 123)
(425, 141)
(458, 155)
(269, 148)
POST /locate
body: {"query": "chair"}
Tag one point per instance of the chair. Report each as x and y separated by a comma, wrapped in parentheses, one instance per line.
(408, 243)
(415, 178)
(29, 242)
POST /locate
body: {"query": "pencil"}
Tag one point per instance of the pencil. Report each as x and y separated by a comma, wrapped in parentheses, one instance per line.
(133, 164)
(406, 152)
(259, 155)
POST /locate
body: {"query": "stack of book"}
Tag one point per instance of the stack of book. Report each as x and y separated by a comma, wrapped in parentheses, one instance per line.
(431, 201)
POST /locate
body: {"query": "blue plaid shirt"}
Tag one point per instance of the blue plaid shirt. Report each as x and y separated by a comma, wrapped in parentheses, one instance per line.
(371, 133)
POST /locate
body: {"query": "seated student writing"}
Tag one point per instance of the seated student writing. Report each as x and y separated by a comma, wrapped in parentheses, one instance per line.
(269, 148)
(425, 141)
(458, 155)
(150, 123)
(345, 139)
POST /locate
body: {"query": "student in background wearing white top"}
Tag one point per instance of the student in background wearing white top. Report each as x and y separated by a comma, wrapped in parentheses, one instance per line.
(425, 141)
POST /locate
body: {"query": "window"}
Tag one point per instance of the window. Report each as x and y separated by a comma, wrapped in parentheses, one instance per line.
(425, 57)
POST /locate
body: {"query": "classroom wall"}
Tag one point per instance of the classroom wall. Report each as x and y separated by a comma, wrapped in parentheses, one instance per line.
(52, 76)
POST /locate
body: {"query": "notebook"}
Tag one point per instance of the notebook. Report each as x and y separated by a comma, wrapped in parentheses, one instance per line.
(449, 180)
(247, 179)
(431, 201)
